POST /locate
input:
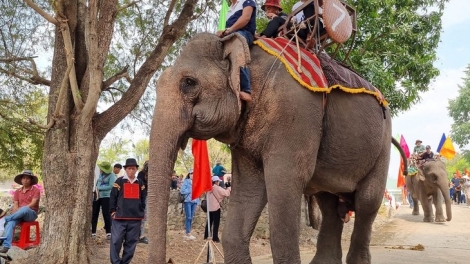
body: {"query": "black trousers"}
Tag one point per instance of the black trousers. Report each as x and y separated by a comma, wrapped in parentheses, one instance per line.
(214, 218)
(456, 196)
(124, 233)
(102, 203)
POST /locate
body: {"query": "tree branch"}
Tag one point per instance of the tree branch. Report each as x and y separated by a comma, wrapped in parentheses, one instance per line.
(8, 60)
(41, 12)
(114, 78)
(64, 28)
(171, 33)
(168, 12)
(127, 5)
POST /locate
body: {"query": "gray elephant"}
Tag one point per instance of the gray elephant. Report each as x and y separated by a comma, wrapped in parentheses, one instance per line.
(288, 142)
(429, 185)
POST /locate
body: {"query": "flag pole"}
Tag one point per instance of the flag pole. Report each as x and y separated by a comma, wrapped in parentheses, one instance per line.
(209, 236)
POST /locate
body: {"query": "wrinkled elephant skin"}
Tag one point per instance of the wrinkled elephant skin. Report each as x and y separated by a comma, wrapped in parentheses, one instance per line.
(429, 187)
(287, 142)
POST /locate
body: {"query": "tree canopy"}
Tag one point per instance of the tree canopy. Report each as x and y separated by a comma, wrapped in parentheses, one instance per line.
(459, 110)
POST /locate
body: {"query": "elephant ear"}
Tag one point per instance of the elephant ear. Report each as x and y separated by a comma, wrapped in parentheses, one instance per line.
(238, 53)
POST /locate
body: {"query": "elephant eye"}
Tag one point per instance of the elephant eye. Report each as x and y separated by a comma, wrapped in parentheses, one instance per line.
(187, 83)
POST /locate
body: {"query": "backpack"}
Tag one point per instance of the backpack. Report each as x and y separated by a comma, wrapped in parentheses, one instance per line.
(204, 206)
(182, 197)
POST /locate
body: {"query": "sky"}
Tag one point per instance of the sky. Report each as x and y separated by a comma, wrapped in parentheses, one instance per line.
(428, 119)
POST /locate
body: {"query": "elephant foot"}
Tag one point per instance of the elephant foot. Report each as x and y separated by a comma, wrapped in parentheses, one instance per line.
(415, 212)
(428, 219)
(326, 260)
(440, 218)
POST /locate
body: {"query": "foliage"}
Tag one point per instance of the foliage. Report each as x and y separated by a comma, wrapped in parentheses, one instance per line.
(459, 110)
(457, 163)
(21, 143)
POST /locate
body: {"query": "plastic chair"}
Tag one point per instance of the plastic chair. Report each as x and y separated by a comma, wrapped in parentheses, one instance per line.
(25, 235)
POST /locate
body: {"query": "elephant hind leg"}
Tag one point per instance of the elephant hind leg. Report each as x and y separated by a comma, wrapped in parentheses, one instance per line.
(329, 236)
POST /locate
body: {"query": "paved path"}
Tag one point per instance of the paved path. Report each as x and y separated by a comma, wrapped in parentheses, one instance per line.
(443, 242)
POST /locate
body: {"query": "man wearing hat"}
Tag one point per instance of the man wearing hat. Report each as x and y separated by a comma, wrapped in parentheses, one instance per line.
(25, 206)
(276, 18)
(418, 147)
(127, 207)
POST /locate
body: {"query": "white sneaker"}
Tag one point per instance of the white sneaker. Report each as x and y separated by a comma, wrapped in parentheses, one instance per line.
(93, 235)
(108, 236)
(190, 237)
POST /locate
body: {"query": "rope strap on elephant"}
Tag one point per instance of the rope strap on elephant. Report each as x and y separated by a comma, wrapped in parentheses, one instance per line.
(318, 74)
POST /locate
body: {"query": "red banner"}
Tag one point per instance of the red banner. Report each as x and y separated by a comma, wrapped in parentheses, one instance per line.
(202, 181)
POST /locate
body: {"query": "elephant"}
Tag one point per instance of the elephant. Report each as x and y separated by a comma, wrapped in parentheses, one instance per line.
(427, 185)
(286, 143)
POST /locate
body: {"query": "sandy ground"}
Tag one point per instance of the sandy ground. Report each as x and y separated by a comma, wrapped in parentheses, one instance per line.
(185, 252)
(406, 239)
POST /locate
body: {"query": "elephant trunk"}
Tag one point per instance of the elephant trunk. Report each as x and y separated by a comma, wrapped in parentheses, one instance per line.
(445, 192)
(166, 137)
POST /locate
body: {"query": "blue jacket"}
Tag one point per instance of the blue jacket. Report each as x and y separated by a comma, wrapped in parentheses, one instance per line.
(104, 184)
(186, 190)
(219, 170)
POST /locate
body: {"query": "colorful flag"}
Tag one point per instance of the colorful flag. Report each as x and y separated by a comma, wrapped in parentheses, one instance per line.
(447, 149)
(401, 177)
(223, 15)
(202, 181)
(441, 143)
(458, 173)
(404, 146)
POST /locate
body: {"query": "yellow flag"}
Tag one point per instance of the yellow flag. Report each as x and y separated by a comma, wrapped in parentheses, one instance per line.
(447, 149)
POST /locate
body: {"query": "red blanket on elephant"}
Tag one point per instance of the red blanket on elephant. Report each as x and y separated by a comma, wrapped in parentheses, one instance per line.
(318, 74)
(309, 74)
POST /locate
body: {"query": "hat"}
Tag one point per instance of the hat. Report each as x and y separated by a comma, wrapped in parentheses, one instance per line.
(131, 162)
(191, 171)
(105, 167)
(418, 140)
(2, 213)
(215, 178)
(274, 3)
(34, 178)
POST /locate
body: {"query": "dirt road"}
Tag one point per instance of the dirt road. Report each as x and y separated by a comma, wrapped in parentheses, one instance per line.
(396, 242)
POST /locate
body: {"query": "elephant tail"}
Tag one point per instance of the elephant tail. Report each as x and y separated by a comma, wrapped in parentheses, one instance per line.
(403, 156)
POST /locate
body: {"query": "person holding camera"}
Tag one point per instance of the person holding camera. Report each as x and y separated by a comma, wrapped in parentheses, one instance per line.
(214, 200)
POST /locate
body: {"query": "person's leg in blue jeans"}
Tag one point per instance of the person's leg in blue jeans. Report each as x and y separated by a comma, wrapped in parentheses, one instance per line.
(188, 216)
(25, 214)
(245, 83)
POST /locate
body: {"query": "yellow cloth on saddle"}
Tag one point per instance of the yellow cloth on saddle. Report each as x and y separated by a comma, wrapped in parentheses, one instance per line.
(412, 171)
(310, 75)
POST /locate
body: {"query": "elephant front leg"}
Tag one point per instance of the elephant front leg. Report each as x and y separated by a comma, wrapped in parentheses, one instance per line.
(247, 201)
(437, 200)
(284, 205)
(329, 237)
(415, 206)
(426, 203)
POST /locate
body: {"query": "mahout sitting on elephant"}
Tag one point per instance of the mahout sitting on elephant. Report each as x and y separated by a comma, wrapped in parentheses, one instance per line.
(288, 143)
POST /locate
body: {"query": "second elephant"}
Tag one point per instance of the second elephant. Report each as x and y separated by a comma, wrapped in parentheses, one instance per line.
(428, 186)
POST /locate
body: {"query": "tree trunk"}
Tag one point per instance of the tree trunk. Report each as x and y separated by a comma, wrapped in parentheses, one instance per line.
(70, 154)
